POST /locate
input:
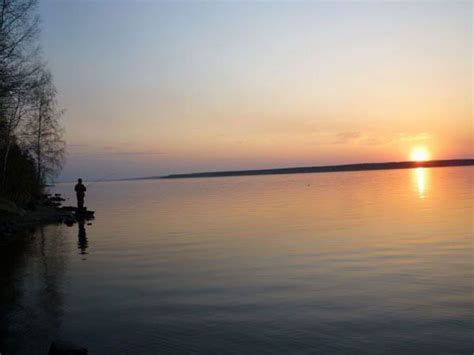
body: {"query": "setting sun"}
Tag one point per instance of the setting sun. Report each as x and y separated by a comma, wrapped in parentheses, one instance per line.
(419, 154)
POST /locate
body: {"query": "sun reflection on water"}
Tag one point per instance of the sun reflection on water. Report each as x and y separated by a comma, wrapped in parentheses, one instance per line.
(420, 181)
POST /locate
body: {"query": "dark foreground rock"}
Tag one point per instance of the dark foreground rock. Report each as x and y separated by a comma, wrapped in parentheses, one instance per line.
(10, 224)
(14, 219)
(60, 347)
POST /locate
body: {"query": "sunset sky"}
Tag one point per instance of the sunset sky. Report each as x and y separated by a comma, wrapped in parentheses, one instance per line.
(152, 88)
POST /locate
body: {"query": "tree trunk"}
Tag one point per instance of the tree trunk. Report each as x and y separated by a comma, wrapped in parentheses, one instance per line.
(5, 159)
(8, 140)
(38, 143)
(2, 15)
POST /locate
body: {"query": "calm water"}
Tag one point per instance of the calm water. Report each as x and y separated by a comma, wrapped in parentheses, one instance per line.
(360, 262)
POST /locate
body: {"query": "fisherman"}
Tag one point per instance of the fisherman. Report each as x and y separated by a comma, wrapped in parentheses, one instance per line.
(80, 193)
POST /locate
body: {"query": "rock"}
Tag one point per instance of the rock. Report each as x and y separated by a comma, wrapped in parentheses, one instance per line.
(57, 199)
(10, 208)
(60, 347)
(69, 221)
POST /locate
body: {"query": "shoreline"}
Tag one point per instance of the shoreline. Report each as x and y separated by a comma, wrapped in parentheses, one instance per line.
(321, 169)
(15, 220)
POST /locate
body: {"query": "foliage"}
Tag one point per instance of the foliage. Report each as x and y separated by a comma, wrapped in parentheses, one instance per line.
(31, 145)
(20, 183)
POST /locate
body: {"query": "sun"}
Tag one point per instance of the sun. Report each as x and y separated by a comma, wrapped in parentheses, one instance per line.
(419, 154)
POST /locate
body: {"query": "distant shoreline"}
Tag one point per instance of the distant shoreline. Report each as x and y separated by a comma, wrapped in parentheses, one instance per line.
(320, 169)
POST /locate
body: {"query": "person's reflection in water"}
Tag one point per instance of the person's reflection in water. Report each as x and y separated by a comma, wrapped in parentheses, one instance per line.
(82, 236)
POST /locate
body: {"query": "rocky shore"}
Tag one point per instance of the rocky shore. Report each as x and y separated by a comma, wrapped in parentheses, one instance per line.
(48, 210)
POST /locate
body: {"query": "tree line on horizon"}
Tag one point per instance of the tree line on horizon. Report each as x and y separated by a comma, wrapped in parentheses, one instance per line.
(32, 149)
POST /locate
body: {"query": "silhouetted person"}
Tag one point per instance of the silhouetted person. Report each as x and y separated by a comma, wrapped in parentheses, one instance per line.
(80, 193)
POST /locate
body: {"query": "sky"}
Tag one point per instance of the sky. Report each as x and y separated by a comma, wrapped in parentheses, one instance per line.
(160, 87)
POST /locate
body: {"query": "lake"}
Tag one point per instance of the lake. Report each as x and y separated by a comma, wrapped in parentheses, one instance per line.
(333, 263)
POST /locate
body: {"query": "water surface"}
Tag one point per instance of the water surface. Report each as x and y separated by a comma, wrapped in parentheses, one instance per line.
(358, 262)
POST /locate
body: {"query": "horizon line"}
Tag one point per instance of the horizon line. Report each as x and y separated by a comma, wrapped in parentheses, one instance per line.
(409, 164)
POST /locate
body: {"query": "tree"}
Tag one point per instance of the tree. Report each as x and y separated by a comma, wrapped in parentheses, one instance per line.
(18, 47)
(30, 135)
(16, 109)
(19, 65)
(42, 132)
(18, 29)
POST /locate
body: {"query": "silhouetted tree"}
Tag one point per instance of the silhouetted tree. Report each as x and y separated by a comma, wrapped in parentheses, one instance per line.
(30, 135)
(42, 132)
(18, 107)
(19, 66)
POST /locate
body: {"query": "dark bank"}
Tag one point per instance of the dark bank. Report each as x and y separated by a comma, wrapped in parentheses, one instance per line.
(327, 169)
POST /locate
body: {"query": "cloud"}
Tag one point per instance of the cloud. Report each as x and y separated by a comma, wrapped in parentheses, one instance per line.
(120, 151)
(138, 152)
(362, 138)
(415, 137)
(345, 137)
(371, 138)
(110, 150)
(375, 140)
